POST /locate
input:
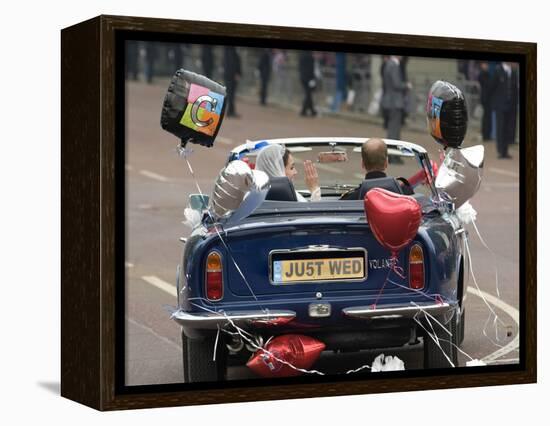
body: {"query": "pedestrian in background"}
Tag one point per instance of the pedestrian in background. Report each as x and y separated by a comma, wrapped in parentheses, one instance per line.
(484, 79)
(176, 55)
(150, 56)
(307, 78)
(264, 69)
(383, 110)
(360, 82)
(505, 97)
(341, 81)
(207, 60)
(408, 101)
(132, 54)
(393, 98)
(232, 75)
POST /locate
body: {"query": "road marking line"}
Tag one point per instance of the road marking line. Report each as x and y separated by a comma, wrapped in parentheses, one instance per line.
(505, 361)
(129, 264)
(153, 175)
(501, 184)
(511, 311)
(154, 333)
(160, 284)
(503, 172)
(225, 141)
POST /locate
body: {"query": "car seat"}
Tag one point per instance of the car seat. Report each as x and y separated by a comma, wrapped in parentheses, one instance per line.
(389, 183)
(281, 189)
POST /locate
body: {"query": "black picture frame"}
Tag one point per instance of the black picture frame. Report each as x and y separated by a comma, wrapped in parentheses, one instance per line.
(92, 206)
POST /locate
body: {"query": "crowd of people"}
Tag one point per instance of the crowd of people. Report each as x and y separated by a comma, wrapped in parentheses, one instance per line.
(498, 83)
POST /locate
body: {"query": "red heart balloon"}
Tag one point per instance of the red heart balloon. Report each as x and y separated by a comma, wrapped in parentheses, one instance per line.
(393, 218)
(296, 349)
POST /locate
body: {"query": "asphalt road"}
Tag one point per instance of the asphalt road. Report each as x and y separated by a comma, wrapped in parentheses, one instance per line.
(158, 183)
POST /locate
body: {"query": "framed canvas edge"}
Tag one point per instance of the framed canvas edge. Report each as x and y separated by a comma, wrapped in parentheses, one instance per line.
(110, 400)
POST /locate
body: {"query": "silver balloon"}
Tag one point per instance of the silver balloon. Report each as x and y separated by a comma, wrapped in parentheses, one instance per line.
(232, 185)
(460, 174)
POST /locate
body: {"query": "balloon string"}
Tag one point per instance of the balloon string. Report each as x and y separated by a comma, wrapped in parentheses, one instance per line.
(439, 339)
(492, 254)
(399, 271)
(480, 294)
(382, 288)
(434, 337)
(436, 297)
(467, 246)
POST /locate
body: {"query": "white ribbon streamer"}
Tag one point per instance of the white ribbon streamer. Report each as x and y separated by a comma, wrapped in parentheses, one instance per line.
(480, 293)
(492, 254)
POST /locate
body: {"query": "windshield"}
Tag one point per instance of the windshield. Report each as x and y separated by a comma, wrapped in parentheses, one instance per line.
(339, 167)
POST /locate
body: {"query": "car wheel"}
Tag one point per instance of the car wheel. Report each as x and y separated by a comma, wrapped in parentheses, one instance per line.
(461, 327)
(436, 356)
(198, 363)
(184, 339)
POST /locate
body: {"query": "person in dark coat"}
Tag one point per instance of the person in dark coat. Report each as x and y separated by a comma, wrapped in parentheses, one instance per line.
(232, 75)
(393, 98)
(150, 58)
(484, 79)
(405, 77)
(505, 97)
(264, 68)
(307, 78)
(132, 53)
(383, 110)
(178, 56)
(207, 60)
(341, 81)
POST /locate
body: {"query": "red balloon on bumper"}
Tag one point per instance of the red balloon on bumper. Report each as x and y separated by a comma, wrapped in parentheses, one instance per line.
(296, 349)
(393, 218)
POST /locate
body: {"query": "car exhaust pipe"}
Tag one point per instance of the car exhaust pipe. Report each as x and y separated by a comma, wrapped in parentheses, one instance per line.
(235, 345)
(258, 341)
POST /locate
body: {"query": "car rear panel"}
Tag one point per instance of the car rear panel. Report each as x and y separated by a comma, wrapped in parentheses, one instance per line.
(249, 253)
(248, 250)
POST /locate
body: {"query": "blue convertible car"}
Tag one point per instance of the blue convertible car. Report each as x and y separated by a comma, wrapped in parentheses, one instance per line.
(315, 268)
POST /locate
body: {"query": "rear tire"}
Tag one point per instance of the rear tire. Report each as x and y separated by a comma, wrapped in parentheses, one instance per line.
(461, 327)
(436, 357)
(198, 364)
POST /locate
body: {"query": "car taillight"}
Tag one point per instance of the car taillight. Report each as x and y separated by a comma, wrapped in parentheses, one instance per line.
(416, 267)
(214, 277)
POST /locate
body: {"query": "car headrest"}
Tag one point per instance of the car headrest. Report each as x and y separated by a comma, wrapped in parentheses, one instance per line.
(281, 189)
(389, 183)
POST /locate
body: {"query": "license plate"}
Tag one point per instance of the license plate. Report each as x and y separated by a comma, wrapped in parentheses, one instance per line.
(327, 269)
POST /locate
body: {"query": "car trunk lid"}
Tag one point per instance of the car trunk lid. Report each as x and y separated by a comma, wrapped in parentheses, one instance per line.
(301, 257)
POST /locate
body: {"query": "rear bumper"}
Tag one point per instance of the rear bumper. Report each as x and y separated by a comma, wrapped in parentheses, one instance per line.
(395, 312)
(196, 324)
(212, 320)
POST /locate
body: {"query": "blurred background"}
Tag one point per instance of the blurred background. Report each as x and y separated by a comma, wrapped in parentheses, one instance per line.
(344, 83)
